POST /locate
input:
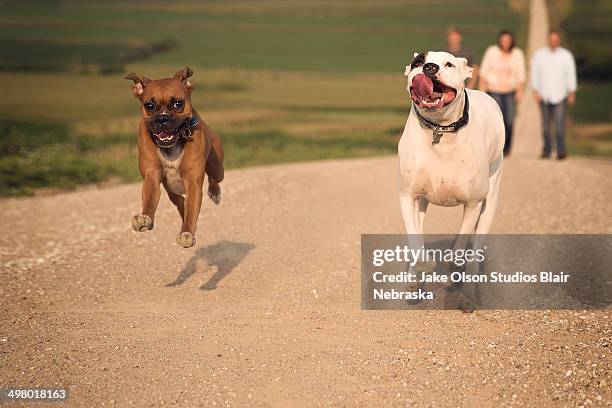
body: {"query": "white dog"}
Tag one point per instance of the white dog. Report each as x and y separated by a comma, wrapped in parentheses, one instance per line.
(451, 150)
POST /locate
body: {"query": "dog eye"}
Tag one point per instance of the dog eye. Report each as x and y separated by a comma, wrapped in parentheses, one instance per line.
(449, 65)
(149, 106)
(177, 104)
(417, 61)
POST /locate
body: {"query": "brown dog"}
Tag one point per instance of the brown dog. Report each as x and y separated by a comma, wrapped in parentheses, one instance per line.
(176, 148)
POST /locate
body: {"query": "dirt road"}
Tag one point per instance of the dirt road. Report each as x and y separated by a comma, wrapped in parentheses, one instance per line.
(265, 311)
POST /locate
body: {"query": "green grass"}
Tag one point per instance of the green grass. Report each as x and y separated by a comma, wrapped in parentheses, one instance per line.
(44, 55)
(588, 25)
(275, 146)
(588, 29)
(280, 81)
(293, 81)
(318, 36)
(45, 154)
(601, 147)
(593, 102)
(264, 117)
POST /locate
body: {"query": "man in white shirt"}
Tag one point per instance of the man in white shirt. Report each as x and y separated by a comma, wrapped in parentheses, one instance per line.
(553, 79)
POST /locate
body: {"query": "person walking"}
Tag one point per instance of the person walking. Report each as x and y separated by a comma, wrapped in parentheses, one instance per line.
(553, 80)
(502, 75)
(454, 46)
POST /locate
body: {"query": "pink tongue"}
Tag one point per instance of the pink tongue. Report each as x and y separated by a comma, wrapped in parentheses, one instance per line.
(161, 134)
(423, 86)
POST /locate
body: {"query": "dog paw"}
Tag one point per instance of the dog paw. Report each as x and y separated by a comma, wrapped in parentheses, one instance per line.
(466, 306)
(458, 301)
(186, 239)
(141, 223)
(215, 198)
(413, 287)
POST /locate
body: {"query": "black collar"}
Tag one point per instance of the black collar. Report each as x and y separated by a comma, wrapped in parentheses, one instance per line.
(185, 129)
(453, 127)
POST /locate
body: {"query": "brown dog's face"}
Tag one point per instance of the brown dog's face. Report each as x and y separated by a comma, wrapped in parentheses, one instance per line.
(165, 105)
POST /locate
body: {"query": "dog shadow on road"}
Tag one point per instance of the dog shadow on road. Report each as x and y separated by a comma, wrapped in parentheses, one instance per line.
(224, 255)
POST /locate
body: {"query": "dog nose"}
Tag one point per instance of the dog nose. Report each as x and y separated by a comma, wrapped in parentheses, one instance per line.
(162, 119)
(430, 69)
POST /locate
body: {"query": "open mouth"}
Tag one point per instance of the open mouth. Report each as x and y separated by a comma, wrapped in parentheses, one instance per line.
(430, 94)
(165, 138)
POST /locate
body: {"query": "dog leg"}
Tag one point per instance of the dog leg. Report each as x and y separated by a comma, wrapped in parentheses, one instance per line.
(423, 204)
(490, 206)
(483, 227)
(214, 166)
(466, 300)
(214, 191)
(177, 200)
(150, 200)
(471, 214)
(193, 185)
(411, 214)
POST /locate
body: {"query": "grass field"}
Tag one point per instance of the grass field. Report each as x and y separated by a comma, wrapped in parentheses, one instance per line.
(280, 81)
(594, 104)
(264, 117)
(347, 36)
(588, 29)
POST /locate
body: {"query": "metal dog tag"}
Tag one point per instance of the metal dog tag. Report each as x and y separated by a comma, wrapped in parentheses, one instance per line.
(436, 137)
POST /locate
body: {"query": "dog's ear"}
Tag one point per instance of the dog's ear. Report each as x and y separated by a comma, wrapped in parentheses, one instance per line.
(182, 76)
(409, 67)
(140, 82)
(466, 70)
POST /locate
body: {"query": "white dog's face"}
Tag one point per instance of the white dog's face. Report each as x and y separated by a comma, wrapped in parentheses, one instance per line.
(435, 79)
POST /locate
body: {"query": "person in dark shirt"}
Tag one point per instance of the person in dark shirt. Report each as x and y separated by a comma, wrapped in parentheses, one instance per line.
(453, 38)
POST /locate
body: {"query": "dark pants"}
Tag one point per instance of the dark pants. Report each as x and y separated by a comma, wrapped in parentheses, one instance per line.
(556, 112)
(508, 107)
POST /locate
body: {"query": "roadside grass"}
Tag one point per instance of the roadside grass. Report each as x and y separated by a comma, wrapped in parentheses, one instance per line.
(279, 81)
(587, 28)
(44, 154)
(601, 146)
(275, 146)
(593, 104)
(303, 80)
(70, 160)
(263, 117)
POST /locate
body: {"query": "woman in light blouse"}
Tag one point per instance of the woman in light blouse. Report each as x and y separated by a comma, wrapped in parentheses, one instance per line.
(502, 75)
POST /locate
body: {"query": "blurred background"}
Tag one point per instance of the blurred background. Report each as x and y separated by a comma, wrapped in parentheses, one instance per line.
(279, 80)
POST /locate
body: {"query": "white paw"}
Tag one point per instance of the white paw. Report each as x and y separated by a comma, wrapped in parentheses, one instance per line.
(141, 223)
(215, 198)
(186, 239)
